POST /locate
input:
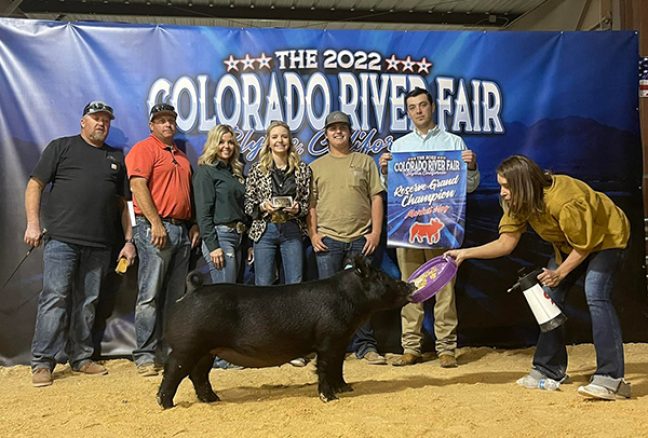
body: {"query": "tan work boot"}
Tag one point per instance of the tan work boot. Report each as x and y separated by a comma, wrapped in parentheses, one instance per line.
(92, 368)
(373, 358)
(41, 377)
(147, 369)
(448, 361)
(407, 359)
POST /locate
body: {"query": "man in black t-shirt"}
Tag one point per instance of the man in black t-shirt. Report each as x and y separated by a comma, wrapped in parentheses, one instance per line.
(88, 184)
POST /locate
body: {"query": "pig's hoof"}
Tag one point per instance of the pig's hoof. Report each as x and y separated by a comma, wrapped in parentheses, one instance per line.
(164, 404)
(208, 397)
(327, 397)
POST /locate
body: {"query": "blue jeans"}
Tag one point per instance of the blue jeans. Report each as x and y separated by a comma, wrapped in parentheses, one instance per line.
(287, 238)
(72, 276)
(599, 270)
(333, 261)
(161, 282)
(230, 242)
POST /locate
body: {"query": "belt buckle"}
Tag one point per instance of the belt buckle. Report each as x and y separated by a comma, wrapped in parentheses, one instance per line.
(240, 227)
(279, 217)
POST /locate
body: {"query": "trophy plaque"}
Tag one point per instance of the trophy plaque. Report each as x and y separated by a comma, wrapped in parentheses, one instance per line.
(281, 201)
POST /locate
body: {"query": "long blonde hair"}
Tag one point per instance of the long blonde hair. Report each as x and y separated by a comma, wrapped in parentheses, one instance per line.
(265, 156)
(210, 150)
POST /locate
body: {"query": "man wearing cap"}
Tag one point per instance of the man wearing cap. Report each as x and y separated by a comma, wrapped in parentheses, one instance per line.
(428, 137)
(88, 186)
(160, 179)
(346, 213)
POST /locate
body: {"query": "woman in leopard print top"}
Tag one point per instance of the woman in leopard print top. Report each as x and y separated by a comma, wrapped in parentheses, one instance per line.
(278, 173)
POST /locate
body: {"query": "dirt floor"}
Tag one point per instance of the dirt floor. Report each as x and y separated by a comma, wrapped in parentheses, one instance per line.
(477, 399)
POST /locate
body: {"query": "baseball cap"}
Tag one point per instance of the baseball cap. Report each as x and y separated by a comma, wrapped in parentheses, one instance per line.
(97, 106)
(162, 108)
(337, 117)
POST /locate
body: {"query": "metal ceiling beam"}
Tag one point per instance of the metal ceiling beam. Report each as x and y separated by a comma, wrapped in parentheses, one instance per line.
(7, 7)
(278, 13)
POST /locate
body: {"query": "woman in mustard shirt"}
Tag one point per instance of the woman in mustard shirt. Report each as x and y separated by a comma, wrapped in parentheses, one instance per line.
(588, 233)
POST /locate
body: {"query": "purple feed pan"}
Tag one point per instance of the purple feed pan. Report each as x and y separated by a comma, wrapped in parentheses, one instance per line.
(431, 276)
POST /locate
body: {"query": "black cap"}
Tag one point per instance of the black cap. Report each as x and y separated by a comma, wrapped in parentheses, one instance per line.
(97, 106)
(162, 108)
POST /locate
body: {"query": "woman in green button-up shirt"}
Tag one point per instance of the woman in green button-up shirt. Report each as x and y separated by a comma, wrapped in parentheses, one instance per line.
(219, 193)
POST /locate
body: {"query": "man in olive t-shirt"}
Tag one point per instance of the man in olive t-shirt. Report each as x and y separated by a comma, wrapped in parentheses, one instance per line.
(346, 213)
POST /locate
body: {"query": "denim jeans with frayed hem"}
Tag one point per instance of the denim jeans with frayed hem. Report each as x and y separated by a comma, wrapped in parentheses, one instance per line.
(332, 261)
(161, 282)
(286, 238)
(599, 270)
(72, 277)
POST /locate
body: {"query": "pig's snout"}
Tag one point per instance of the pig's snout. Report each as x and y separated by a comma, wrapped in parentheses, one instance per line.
(410, 291)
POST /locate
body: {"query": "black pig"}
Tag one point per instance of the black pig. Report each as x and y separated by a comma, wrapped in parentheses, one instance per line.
(263, 326)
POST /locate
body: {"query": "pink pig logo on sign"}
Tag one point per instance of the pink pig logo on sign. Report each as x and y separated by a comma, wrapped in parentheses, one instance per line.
(430, 231)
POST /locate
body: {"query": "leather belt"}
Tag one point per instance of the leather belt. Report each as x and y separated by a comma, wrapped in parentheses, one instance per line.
(169, 220)
(174, 221)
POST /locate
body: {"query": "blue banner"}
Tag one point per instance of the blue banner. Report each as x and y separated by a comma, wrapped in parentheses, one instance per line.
(535, 93)
(549, 95)
(426, 200)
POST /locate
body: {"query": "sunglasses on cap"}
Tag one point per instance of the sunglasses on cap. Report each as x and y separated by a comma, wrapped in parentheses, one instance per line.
(162, 107)
(97, 106)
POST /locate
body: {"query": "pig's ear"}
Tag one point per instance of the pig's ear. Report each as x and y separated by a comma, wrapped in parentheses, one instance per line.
(194, 280)
(361, 266)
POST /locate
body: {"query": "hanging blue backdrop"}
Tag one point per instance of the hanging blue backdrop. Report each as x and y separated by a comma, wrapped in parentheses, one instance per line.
(568, 100)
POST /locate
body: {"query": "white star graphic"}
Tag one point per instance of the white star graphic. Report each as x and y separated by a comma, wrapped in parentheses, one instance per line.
(408, 64)
(392, 63)
(423, 64)
(230, 63)
(264, 61)
(248, 63)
